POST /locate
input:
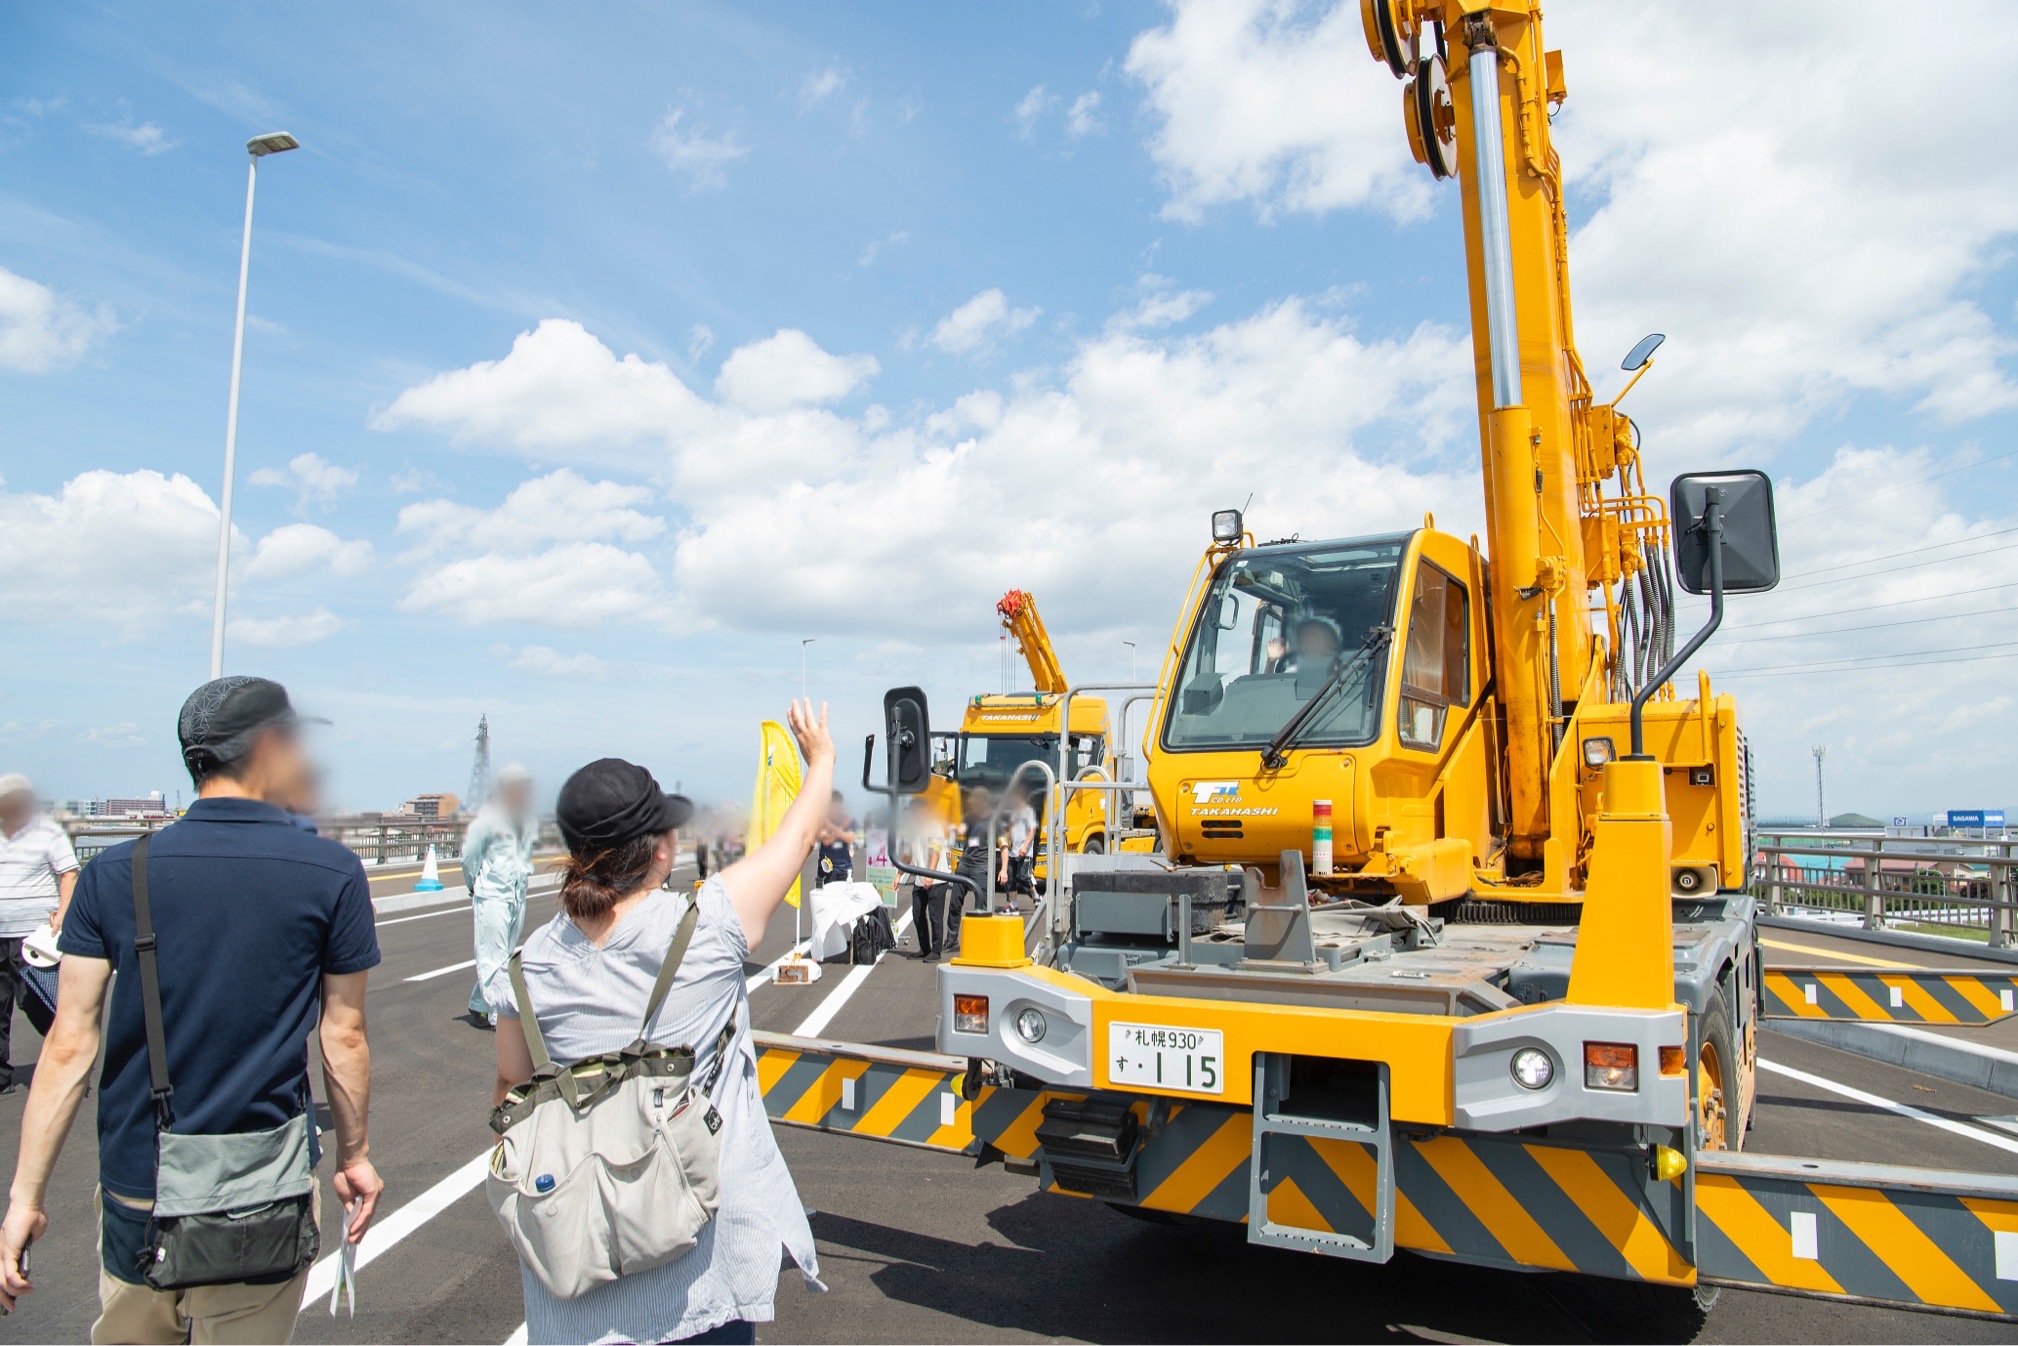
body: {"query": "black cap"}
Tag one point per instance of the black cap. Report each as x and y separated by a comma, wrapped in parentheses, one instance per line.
(611, 801)
(222, 717)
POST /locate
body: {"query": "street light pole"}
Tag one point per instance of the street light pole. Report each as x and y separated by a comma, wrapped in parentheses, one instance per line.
(1131, 659)
(802, 664)
(256, 149)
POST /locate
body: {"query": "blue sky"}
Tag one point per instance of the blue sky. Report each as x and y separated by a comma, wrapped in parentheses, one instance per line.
(838, 321)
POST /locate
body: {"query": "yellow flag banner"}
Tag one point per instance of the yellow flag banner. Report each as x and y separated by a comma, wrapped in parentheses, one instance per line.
(777, 786)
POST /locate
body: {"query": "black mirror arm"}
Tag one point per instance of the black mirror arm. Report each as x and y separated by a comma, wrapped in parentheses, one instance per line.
(1713, 525)
(890, 793)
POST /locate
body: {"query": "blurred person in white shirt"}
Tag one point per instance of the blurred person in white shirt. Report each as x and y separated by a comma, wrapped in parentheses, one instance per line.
(38, 870)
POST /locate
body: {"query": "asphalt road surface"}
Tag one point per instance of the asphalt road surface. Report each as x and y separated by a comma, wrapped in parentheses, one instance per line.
(920, 1246)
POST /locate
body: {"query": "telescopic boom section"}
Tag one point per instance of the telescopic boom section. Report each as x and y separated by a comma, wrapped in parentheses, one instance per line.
(1018, 611)
(1477, 105)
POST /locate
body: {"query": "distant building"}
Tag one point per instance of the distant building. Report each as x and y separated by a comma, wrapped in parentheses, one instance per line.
(150, 805)
(431, 807)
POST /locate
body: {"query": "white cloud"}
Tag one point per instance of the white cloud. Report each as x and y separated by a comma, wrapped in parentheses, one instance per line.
(284, 631)
(1083, 117)
(788, 370)
(412, 480)
(548, 662)
(317, 480)
(125, 734)
(694, 154)
(574, 584)
(1162, 305)
(143, 545)
(559, 507)
(297, 547)
(977, 322)
(145, 137)
(874, 247)
(40, 330)
(1810, 233)
(1031, 107)
(559, 388)
(1262, 101)
(821, 85)
(700, 339)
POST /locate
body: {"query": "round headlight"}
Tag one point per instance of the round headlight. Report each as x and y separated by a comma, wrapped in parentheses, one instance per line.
(1030, 1025)
(1532, 1068)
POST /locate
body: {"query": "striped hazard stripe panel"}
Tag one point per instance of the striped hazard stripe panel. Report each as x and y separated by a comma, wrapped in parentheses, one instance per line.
(883, 1093)
(1954, 996)
(1473, 1197)
(1916, 1237)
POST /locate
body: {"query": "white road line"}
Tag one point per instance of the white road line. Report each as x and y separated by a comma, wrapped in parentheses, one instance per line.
(518, 1336)
(424, 916)
(816, 1022)
(444, 971)
(388, 1230)
(1902, 1109)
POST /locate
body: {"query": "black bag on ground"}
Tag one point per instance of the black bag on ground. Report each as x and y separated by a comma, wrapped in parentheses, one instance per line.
(228, 1208)
(872, 937)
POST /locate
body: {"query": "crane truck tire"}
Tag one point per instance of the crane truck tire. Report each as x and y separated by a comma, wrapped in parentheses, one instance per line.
(1716, 1081)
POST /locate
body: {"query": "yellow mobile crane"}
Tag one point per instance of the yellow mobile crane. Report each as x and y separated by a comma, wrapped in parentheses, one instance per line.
(1449, 945)
(999, 732)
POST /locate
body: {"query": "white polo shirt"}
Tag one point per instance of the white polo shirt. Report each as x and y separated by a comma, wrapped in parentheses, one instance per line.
(30, 860)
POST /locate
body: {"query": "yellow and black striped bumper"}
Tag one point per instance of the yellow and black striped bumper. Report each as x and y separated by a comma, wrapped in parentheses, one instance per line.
(1930, 996)
(882, 1093)
(1914, 1237)
(1502, 1201)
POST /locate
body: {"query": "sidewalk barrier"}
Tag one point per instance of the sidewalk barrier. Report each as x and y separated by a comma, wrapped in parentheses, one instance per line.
(1919, 996)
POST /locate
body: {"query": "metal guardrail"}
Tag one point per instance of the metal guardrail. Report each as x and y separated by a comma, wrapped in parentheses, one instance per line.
(377, 840)
(1953, 886)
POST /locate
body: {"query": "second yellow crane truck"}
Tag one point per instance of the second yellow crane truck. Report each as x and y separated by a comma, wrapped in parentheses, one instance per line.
(999, 732)
(1448, 945)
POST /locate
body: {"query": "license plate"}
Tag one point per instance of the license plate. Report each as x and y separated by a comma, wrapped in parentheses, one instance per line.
(1166, 1058)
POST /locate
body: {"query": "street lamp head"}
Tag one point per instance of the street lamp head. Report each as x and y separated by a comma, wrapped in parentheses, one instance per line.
(274, 142)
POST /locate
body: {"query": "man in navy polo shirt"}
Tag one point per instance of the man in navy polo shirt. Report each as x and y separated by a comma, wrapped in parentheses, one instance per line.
(261, 929)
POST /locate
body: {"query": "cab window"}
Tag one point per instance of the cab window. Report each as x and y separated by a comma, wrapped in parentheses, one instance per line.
(1435, 665)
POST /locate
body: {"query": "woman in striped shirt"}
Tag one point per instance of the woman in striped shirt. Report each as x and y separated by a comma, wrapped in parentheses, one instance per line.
(589, 975)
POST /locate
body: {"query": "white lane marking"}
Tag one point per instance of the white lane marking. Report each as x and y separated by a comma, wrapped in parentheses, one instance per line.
(518, 1336)
(823, 1014)
(424, 916)
(444, 971)
(1902, 1109)
(388, 1230)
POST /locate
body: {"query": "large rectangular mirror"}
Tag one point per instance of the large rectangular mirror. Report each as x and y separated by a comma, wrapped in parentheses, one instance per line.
(909, 726)
(1751, 547)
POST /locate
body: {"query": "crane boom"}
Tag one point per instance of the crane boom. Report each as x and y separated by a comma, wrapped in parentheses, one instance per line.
(1018, 611)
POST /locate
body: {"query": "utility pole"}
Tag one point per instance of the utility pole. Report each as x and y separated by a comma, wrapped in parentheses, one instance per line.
(1131, 659)
(479, 771)
(1821, 801)
(802, 664)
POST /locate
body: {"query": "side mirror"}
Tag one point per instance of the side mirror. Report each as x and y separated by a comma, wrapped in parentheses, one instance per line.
(1751, 547)
(1642, 351)
(909, 726)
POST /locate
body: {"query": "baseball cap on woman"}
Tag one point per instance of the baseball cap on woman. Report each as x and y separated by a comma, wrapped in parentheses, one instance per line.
(611, 801)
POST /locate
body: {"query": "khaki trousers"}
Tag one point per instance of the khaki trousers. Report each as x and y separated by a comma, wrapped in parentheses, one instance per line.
(202, 1314)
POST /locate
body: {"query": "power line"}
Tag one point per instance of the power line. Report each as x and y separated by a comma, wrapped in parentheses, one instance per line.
(1933, 476)
(1868, 658)
(1910, 551)
(1913, 565)
(1796, 670)
(1879, 626)
(1873, 607)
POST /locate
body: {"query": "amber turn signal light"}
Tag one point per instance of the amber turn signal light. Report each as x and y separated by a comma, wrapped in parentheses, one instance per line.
(1611, 1065)
(1674, 1061)
(970, 1013)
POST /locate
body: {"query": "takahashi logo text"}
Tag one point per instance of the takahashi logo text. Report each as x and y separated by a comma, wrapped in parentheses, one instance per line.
(1214, 791)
